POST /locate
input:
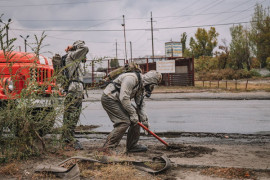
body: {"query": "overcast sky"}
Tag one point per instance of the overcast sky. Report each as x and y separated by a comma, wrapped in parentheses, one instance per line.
(98, 22)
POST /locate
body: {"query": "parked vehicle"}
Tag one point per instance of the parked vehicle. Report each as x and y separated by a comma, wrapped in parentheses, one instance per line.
(23, 74)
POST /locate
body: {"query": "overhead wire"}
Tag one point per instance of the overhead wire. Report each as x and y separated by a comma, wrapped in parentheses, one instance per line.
(202, 9)
(54, 4)
(242, 11)
(113, 19)
(67, 39)
(173, 20)
(237, 6)
(119, 30)
(57, 20)
(193, 3)
(100, 24)
(213, 5)
(200, 14)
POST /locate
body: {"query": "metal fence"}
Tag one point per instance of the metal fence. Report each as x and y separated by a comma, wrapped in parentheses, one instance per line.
(178, 79)
(233, 84)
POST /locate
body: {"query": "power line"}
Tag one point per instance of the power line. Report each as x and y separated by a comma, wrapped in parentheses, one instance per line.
(201, 9)
(119, 30)
(54, 4)
(202, 14)
(207, 7)
(113, 19)
(76, 40)
(99, 24)
(213, 5)
(57, 20)
(242, 11)
(189, 6)
(104, 42)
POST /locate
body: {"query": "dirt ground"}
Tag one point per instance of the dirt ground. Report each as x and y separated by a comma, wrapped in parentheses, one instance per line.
(200, 156)
(194, 156)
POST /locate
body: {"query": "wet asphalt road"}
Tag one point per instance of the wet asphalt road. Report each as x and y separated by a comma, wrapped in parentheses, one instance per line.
(214, 116)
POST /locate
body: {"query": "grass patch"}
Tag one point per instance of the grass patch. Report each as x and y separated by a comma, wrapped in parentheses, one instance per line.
(229, 173)
(10, 169)
(222, 85)
(112, 172)
(232, 85)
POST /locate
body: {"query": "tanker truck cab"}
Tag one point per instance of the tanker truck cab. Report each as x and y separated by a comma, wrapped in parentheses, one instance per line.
(27, 77)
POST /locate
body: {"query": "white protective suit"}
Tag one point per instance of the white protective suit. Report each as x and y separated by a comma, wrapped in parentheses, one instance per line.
(116, 100)
(73, 100)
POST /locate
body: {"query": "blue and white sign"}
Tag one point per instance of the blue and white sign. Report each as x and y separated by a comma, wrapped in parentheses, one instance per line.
(173, 49)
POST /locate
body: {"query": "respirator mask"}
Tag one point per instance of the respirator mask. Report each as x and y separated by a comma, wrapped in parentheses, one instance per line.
(148, 89)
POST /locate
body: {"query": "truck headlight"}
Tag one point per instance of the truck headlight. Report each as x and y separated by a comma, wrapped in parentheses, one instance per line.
(10, 84)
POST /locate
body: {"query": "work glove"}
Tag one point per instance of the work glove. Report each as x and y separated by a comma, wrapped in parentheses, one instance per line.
(146, 124)
(134, 119)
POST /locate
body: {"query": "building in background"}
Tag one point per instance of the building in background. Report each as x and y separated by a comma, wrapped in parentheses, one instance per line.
(173, 49)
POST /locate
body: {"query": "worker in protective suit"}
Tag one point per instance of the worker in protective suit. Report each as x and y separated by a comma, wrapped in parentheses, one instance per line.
(73, 101)
(116, 100)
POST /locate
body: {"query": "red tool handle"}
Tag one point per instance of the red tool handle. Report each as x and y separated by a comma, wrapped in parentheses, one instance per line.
(144, 127)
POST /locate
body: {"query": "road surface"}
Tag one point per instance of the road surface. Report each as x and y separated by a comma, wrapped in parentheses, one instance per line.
(213, 116)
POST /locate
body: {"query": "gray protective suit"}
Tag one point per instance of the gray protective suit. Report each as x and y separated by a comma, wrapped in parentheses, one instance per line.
(117, 104)
(73, 100)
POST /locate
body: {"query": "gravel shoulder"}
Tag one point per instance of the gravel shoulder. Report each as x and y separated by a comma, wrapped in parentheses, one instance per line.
(204, 157)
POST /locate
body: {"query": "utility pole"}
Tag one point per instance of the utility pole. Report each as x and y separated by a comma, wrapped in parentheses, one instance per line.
(153, 55)
(116, 49)
(124, 25)
(25, 42)
(130, 50)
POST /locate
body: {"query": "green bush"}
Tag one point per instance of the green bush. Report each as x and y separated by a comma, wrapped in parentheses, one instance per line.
(268, 63)
(26, 118)
(255, 63)
(227, 74)
(205, 63)
(255, 73)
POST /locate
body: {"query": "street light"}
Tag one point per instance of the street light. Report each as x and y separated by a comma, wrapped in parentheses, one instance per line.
(7, 28)
(25, 42)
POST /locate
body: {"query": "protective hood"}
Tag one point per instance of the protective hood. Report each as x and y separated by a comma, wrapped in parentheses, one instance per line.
(151, 77)
(77, 44)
